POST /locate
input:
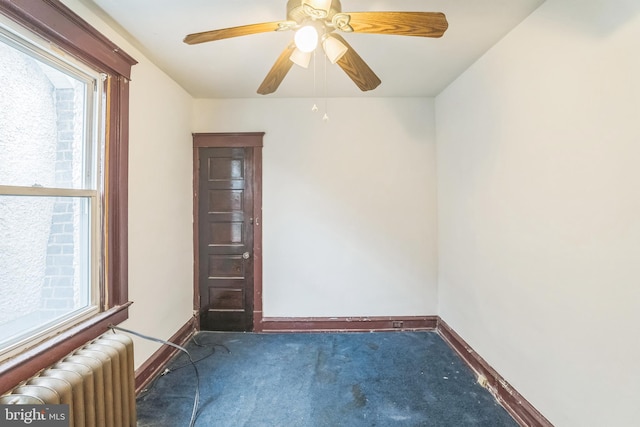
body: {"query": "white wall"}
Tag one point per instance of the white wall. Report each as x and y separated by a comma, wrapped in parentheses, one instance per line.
(160, 200)
(348, 205)
(539, 208)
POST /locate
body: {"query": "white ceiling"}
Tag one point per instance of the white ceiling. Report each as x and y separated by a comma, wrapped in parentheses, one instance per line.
(234, 68)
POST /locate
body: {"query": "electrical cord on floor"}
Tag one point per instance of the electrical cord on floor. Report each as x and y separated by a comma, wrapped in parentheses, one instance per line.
(196, 400)
(143, 393)
(195, 342)
(213, 345)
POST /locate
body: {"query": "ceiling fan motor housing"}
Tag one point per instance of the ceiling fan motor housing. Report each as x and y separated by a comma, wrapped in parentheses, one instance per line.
(296, 12)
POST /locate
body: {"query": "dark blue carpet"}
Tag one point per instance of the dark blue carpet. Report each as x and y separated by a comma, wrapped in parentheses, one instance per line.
(321, 379)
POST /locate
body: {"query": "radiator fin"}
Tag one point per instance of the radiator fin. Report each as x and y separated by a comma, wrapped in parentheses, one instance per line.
(96, 381)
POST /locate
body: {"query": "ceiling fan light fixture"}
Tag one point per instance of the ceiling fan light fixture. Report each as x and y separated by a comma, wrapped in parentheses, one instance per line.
(333, 48)
(319, 22)
(306, 38)
(300, 58)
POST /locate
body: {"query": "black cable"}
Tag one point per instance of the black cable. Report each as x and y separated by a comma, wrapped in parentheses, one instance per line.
(175, 368)
(195, 342)
(212, 345)
(196, 399)
(151, 385)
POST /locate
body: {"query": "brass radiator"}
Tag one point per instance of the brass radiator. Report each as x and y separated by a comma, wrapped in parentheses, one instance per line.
(96, 381)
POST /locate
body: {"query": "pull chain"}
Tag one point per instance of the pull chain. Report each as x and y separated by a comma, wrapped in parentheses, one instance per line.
(325, 118)
(315, 93)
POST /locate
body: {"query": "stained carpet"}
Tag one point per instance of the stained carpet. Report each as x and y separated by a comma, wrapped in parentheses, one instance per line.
(321, 379)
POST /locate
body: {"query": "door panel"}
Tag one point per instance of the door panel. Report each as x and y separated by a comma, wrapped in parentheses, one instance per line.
(225, 233)
(225, 217)
(225, 201)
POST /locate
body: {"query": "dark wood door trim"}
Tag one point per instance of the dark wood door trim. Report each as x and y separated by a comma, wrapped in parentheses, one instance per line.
(213, 140)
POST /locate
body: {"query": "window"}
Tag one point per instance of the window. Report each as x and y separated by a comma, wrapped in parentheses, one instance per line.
(63, 185)
(49, 188)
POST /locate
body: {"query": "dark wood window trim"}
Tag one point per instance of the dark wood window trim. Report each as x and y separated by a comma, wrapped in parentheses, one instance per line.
(56, 23)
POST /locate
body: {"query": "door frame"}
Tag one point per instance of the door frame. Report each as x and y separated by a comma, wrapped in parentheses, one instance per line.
(224, 140)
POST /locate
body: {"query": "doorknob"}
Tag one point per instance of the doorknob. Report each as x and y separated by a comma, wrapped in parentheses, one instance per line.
(246, 255)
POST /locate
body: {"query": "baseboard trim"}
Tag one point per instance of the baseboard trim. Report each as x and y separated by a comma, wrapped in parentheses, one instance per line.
(257, 321)
(518, 407)
(158, 360)
(523, 412)
(349, 324)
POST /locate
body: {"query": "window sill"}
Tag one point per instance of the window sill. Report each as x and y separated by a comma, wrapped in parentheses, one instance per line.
(25, 365)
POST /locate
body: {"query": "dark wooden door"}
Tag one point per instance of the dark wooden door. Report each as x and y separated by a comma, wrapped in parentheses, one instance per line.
(225, 238)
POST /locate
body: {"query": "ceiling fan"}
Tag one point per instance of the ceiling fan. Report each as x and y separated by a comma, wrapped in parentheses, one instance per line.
(318, 22)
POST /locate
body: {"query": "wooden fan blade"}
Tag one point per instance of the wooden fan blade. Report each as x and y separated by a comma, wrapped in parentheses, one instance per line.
(356, 68)
(278, 72)
(226, 33)
(419, 24)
